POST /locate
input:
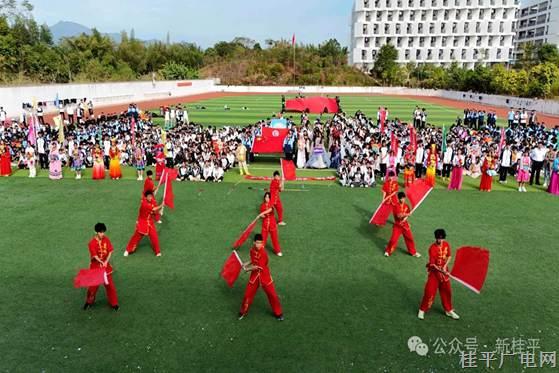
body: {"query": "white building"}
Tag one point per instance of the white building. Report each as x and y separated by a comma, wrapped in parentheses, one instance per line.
(434, 31)
(538, 23)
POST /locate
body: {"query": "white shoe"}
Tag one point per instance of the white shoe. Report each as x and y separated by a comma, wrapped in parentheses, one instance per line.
(524, 189)
(159, 222)
(279, 254)
(158, 255)
(386, 254)
(453, 315)
(417, 255)
(520, 189)
(282, 223)
(545, 185)
(125, 253)
(421, 315)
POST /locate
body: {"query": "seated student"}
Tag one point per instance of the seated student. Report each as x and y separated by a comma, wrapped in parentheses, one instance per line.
(195, 173)
(183, 172)
(208, 171)
(218, 173)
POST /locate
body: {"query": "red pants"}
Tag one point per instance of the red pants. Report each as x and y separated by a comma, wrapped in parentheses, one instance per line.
(275, 238)
(397, 231)
(270, 291)
(434, 283)
(137, 237)
(110, 289)
(279, 209)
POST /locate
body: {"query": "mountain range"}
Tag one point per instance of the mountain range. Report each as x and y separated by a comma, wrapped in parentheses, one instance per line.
(66, 29)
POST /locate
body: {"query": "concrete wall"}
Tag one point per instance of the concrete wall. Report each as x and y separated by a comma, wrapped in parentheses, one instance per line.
(106, 94)
(102, 94)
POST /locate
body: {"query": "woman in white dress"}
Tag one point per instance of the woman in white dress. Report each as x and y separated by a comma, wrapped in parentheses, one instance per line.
(319, 157)
(301, 151)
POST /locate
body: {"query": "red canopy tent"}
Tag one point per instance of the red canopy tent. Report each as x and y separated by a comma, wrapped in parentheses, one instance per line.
(315, 105)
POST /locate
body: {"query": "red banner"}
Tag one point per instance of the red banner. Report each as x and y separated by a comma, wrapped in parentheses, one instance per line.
(417, 192)
(232, 269)
(270, 140)
(244, 236)
(90, 277)
(315, 105)
(288, 170)
(470, 267)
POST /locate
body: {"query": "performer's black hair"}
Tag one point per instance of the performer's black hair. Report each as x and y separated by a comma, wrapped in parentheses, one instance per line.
(440, 234)
(149, 173)
(258, 237)
(148, 192)
(276, 173)
(100, 228)
(401, 195)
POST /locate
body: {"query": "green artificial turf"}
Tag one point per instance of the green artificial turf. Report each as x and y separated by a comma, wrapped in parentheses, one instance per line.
(264, 106)
(347, 308)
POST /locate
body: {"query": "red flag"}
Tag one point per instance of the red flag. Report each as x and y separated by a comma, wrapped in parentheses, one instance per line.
(470, 267)
(413, 140)
(270, 141)
(168, 195)
(393, 143)
(246, 233)
(417, 192)
(168, 173)
(382, 119)
(288, 170)
(293, 40)
(133, 130)
(381, 215)
(90, 277)
(232, 269)
(503, 139)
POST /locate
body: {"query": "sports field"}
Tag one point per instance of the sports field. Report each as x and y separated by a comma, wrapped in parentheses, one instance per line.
(264, 106)
(347, 308)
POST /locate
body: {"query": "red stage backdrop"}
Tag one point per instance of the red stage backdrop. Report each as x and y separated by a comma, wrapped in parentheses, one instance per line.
(270, 141)
(315, 105)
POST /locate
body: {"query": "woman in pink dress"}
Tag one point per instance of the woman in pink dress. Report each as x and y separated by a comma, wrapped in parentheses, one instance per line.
(457, 171)
(554, 183)
(523, 175)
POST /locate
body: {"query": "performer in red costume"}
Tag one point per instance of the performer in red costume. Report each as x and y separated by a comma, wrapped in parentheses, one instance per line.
(260, 275)
(276, 187)
(487, 173)
(269, 225)
(150, 185)
(145, 225)
(401, 227)
(159, 162)
(100, 251)
(389, 200)
(439, 257)
(5, 160)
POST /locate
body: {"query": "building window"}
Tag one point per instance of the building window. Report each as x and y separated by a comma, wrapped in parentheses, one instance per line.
(417, 54)
(410, 42)
(407, 54)
(408, 28)
(366, 3)
(455, 42)
(466, 27)
(400, 15)
(386, 28)
(463, 54)
(390, 16)
(420, 28)
(423, 15)
(502, 41)
(399, 42)
(431, 28)
(375, 29)
(363, 54)
(478, 41)
(490, 27)
(443, 28)
(412, 15)
(502, 27)
(398, 29)
(440, 54)
(478, 27)
(365, 30)
(444, 41)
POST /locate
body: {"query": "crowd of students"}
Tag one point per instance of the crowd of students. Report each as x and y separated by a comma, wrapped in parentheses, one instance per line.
(361, 150)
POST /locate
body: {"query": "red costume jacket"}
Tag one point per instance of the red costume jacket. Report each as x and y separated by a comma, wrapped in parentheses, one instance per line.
(145, 216)
(260, 258)
(100, 249)
(438, 256)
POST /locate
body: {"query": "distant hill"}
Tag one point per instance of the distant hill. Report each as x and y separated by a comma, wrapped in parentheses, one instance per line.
(65, 29)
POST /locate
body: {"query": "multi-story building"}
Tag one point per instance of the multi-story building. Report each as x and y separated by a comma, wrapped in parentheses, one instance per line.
(434, 31)
(538, 23)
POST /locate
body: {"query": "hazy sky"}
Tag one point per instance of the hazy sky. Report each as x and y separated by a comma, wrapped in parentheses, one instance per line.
(207, 21)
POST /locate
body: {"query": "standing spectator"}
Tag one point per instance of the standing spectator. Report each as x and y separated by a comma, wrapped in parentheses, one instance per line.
(538, 156)
(3, 116)
(70, 112)
(523, 174)
(419, 158)
(41, 149)
(510, 117)
(506, 159)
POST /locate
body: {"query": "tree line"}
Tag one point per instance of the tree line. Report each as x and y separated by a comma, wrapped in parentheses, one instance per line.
(28, 54)
(535, 74)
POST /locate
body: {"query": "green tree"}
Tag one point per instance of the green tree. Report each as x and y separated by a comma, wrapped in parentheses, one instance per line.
(542, 78)
(385, 66)
(547, 53)
(173, 71)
